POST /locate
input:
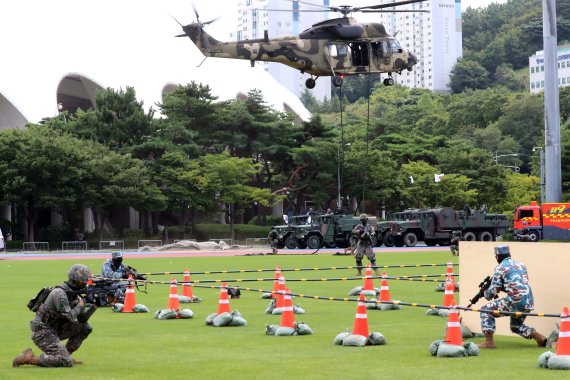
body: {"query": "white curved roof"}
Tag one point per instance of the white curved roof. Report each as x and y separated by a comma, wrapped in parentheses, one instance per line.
(115, 44)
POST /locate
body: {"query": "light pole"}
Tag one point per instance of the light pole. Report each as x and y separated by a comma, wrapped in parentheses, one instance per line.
(497, 156)
(542, 181)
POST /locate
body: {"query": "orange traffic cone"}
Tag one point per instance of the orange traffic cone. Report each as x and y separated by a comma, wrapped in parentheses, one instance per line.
(130, 300)
(563, 345)
(276, 281)
(450, 273)
(187, 286)
(453, 333)
(361, 319)
(173, 301)
(368, 284)
(384, 289)
(224, 303)
(280, 291)
(448, 298)
(287, 314)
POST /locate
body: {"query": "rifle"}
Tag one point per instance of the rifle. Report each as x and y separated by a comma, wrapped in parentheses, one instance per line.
(484, 285)
(136, 276)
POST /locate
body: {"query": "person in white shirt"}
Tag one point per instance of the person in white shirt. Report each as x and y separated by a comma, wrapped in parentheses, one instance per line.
(1, 241)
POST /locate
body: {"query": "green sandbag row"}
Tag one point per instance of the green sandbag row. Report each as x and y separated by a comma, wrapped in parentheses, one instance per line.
(299, 329)
(350, 340)
(226, 319)
(172, 314)
(138, 308)
(441, 349)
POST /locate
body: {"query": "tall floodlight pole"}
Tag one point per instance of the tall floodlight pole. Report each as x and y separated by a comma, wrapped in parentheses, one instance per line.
(551, 104)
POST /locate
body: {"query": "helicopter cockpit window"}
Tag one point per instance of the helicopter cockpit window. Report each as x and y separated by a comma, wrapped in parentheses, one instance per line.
(395, 45)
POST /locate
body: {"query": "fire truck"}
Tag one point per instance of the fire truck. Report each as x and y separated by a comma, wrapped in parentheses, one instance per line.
(550, 221)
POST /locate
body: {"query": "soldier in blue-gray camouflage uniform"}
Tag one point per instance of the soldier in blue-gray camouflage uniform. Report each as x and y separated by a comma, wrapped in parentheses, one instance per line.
(510, 277)
(61, 316)
(364, 233)
(115, 269)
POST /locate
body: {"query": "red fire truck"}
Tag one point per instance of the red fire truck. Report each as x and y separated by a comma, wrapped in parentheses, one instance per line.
(551, 221)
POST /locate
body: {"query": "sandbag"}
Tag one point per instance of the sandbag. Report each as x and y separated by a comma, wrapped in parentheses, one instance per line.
(277, 311)
(166, 314)
(376, 339)
(222, 319)
(553, 337)
(466, 333)
(451, 351)
(210, 318)
(237, 321)
(117, 307)
(471, 349)
(544, 358)
(340, 337)
(304, 329)
(186, 314)
(140, 308)
(434, 346)
(271, 306)
(270, 329)
(284, 331)
(183, 299)
(266, 295)
(432, 311)
(354, 341)
(355, 291)
(298, 310)
(559, 362)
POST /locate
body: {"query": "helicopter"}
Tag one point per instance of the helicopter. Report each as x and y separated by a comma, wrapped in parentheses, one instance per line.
(335, 47)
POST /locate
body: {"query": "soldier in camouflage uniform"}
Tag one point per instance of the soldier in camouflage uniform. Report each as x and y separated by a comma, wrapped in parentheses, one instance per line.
(364, 232)
(273, 240)
(115, 269)
(60, 317)
(510, 277)
(454, 245)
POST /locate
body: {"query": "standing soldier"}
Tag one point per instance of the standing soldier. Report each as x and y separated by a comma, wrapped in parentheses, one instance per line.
(62, 315)
(454, 245)
(364, 232)
(273, 240)
(510, 277)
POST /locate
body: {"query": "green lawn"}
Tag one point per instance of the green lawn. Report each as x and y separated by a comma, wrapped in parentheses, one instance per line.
(136, 346)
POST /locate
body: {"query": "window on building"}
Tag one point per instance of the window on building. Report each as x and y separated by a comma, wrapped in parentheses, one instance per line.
(532, 85)
(532, 69)
(563, 80)
(563, 64)
(541, 83)
(541, 68)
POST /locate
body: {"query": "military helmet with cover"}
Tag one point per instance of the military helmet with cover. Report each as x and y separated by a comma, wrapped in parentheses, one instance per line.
(363, 217)
(79, 273)
(502, 252)
(117, 258)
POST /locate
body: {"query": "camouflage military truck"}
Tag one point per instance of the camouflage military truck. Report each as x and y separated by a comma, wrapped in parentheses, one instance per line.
(288, 233)
(332, 230)
(435, 226)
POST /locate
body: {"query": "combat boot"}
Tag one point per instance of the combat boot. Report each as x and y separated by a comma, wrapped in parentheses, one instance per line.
(540, 339)
(26, 357)
(489, 342)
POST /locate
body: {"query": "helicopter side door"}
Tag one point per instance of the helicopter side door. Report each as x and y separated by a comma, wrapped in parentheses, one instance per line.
(338, 55)
(381, 54)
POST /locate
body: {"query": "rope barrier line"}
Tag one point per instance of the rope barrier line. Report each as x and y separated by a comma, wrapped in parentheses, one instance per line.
(413, 304)
(422, 277)
(300, 269)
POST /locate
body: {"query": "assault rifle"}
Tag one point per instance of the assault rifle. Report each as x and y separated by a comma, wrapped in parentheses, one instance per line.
(484, 285)
(136, 276)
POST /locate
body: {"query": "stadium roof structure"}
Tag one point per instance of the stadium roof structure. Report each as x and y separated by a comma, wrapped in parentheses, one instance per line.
(58, 62)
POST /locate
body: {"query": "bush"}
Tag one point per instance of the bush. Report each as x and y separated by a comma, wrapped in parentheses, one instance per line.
(177, 232)
(56, 233)
(204, 232)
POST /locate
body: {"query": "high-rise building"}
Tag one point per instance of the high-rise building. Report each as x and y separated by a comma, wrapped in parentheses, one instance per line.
(435, 37)
(536, 69)
(283, 18)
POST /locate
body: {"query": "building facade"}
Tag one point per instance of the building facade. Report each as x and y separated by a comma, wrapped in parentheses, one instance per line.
(283, 18)
(536, 69)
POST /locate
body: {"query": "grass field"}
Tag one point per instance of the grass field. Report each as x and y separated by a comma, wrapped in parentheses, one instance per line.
(136, 346)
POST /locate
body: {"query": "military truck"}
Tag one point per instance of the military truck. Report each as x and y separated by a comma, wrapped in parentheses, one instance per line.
(434, 226)
(324, 230)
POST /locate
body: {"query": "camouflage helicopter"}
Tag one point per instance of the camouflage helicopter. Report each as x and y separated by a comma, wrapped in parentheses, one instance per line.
(335, 47)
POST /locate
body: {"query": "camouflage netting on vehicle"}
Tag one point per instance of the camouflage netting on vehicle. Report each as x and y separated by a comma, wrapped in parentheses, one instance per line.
(138, 308)
(441, 349)
(173, 314)
(299, 329)
(185, 299)
(194, 245)
(441, 287)
(350, 340)
(552, 361)
(357, 290)
(226, 319)
(383, 306)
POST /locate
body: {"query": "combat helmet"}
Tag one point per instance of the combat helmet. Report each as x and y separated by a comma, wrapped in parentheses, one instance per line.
(502, 252)
(363, 217)
(79, 273)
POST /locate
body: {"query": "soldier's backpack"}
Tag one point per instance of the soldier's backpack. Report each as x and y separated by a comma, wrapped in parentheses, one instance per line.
(35, 303)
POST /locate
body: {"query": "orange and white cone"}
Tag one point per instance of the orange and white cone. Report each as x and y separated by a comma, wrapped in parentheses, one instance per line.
(224, 303)
(450, 273)
(287, 314)
(173, 301)
(130, 300)
(187, 286)
(384, 289)
(368, 284)
(563, 345)
(448, 298)
(276, 281)
(453, 332)
(280, 292)
(361, 319)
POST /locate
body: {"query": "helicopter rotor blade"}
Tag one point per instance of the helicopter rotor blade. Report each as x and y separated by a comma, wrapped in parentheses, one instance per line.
(176, 21)
(396, 4)
(196, 12)
(394, 11)
(211, 21)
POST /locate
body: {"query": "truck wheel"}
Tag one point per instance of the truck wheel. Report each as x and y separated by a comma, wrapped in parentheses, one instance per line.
(533, 236)
(313, 242)
(485, 236)
(389, 240)
(290, 242)
(302, 244)
(410, 239)
(469, 236)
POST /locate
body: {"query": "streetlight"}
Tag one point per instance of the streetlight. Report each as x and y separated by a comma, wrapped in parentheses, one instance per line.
(339, 175)
(497, 156)
(542, 182)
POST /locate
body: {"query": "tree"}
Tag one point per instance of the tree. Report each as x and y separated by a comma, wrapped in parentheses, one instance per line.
(468, 74)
